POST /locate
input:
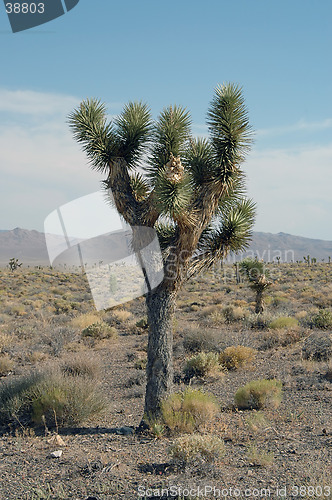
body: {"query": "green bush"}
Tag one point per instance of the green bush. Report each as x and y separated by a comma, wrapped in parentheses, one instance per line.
(38, 397)
(189, 410)
(100, 330)
(284, 322)
(190, 447)
(259, 394)
(323, 319)
(203, 364)
(234, 357)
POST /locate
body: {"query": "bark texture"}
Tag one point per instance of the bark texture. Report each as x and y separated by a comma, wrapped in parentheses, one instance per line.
(259, 302)
(160, 309)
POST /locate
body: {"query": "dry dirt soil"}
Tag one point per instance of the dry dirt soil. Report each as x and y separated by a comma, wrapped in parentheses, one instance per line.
(282, 452)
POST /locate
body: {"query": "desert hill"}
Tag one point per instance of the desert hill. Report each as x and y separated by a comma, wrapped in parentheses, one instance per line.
(29, 246)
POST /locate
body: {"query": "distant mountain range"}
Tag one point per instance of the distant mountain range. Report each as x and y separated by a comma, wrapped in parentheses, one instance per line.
(29, 247)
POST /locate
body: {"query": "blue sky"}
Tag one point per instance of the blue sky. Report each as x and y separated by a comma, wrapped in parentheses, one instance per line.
(162, 53)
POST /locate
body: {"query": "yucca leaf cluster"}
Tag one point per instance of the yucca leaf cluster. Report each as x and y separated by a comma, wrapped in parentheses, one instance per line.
(191, 190)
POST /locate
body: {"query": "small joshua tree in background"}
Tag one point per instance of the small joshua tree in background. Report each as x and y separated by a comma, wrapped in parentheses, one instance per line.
(13, 264)
(258, 277)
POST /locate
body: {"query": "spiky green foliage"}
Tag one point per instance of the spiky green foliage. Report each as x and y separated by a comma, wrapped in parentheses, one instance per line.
(133, 127)
(198, 158)
(90, 129)
(167, 235)
(139, 186)
(203, 203)
(232, 232)
(170, 134)
(172, 198)
(254, 270)
(229, 129)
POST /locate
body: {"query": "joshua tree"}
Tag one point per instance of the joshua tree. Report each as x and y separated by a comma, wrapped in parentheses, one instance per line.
(258, 278)
(13, 264)
(192, 191)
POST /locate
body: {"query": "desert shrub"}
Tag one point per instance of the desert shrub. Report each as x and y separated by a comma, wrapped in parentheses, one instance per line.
(81, 364)
(259, 457)
(207, 311)
(143, 323)
(279, 300)
(100, 330)
(317, 347)
(141, 363)
(200, 340)
(233, 314)
(6, 365)
(234, 357)
(259, 394)
(191, 447)
(37, 356)
(189, 410)
(85, 320)
(301, 315)
(259, 321)
(323, 319)
(203, 364)
(257, 421)
(38, 397)
(5, 341)
(121, 315)
(62, 306)
(278, 337)
(284, 322)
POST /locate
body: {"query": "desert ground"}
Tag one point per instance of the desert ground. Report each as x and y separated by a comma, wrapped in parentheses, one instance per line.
(73, 379)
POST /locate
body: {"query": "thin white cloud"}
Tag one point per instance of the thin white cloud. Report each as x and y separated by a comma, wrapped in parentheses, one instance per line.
(35, 103)
(300, 126)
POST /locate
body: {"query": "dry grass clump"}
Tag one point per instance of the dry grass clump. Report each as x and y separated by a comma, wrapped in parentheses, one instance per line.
(189, 410)
(121, 315)
(81, 364)
(259, 321)
(100, 330)
(317, 347)
(208, 311)
(301, 315)
(200, 340)
(6, 365)
(257, 421)
(37, 356)
(284, 322)
(234, 357)
(5, 341)
(39, 397)
(259, 394)
(233, 314)
(203, 364)
(84, 320)
(258, 457)
(191, 447)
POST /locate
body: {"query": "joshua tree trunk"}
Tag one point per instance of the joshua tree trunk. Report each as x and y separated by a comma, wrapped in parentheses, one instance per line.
(259, 302)
(160, 309)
